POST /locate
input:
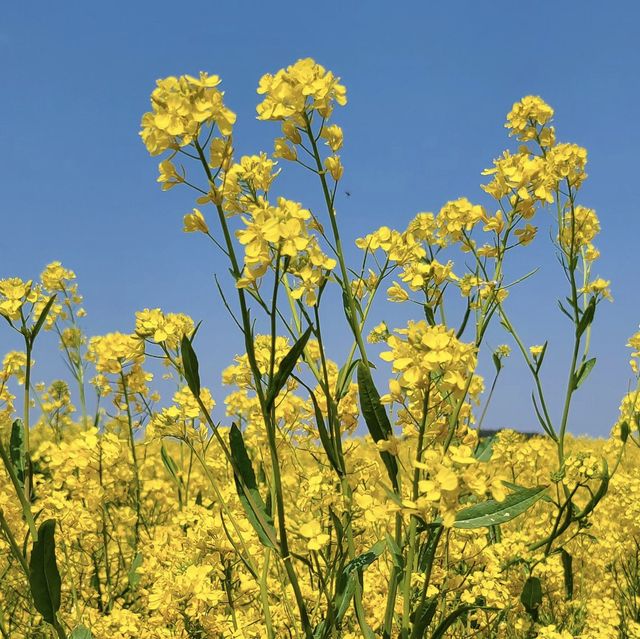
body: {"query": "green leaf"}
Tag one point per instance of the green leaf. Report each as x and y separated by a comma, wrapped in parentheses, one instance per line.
(44, 577)
(587, 317)
(286, 367)
(375, 416)
(422, 617)
(484, 450)
(325, 438)
(43, 316)
(170, 465)
(80, 632)
(624, 432)
(540, 358)
(396, 553)
(132, 575)
(497, 362)
(247, 488)
(17, 452)
(564, 310)
(190, 366)
(567, 566)
(428, 549)
(493, 512)
(449, 620)
(583, 372)
(531, 596)
(347, 580)
(344, 378)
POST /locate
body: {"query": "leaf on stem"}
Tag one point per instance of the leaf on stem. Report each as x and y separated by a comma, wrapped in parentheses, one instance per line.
(484, 450)
(531, 596)
(493, 512)
(17, 452)
(375, 416)
(325, 437)
(43, 316)
(344, 378)
(583, 372)
(567, 566)
(44, 577)
(247, 488)
(286, 367)
(540, 357)
(352, 571)
(587, 317)
(132, 575)
(422, 617)
(190, 366)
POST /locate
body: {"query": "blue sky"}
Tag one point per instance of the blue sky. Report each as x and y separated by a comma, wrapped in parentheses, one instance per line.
(429, 85)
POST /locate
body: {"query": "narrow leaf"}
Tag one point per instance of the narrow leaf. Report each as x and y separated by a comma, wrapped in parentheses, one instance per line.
(44, 577)
(422, 617)
(375, 416)
(484, 450)
(286, 367)
(531, 596)
(325, 438)
(17, 452)
(583, 372)
(170, 465)
(247, 488)
(344, 378)
(449, 620)
(373, 411)
(567, 566)
(587, 317)
(43, 316)
(132, 575)
(493, 512)
(541, 356)
(624, 432)
(347, 580)
(190, 366)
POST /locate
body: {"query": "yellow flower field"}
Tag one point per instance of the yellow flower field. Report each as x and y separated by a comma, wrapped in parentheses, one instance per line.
(325, 502)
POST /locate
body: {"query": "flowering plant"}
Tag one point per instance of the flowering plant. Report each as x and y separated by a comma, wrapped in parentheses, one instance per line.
(282, 519)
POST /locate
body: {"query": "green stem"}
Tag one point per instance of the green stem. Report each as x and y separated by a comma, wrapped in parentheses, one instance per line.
(136, 472)
(26, 508)
(15, 549)
(353, 321)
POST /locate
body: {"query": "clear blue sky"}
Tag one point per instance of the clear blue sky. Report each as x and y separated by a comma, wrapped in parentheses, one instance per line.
(429, 84)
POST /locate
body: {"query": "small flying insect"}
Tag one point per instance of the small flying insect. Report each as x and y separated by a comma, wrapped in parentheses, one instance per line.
(347, 193)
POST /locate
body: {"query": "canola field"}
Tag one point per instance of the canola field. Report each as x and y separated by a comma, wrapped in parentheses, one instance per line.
(311, 500)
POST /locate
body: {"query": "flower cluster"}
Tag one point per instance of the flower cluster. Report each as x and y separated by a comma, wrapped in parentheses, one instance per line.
(180, 107)
(300, 88)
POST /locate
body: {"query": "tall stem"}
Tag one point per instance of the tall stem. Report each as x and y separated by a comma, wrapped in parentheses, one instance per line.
(134, 456)
(353, 321)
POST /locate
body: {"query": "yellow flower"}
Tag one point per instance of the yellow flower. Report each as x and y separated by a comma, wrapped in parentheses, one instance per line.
(180, 106)
(526, 115)
(334, 136)
(313, 532)
(301, 87)
(536, 351)
(195, 222)
(334, 166)
(284, 150)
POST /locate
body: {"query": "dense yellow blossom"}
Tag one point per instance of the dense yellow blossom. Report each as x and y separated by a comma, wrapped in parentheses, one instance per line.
(277, 516)
(180, 106)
